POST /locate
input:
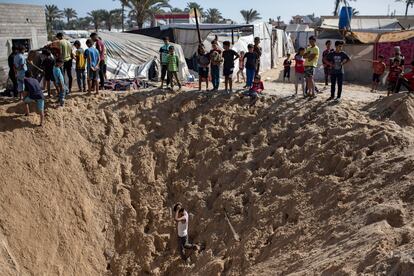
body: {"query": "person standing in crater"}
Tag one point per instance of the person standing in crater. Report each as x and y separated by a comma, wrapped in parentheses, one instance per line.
(181, 217)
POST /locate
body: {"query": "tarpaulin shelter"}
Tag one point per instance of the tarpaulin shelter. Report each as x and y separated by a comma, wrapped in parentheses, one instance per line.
(131, 56)
(361, 23)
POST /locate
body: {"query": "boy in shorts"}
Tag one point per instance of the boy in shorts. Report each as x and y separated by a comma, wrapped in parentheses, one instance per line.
(33, 93)
(93, 61)
(47, 65)
(173, 67)
(229, 56)
(379, 69)
(311, 56)
(203, 60)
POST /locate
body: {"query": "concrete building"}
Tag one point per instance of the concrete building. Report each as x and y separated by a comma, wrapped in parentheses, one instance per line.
(176, 18)
(20, 24)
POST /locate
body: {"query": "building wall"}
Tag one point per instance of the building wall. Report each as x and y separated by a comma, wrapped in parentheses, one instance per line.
(20, 22)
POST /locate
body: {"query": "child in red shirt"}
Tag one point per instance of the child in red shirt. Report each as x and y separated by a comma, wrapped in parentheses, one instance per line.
(395, 72)
(300, 71)
(256, 89)
(406, 80)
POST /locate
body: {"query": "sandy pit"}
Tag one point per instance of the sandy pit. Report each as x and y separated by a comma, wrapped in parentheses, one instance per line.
(311, 188)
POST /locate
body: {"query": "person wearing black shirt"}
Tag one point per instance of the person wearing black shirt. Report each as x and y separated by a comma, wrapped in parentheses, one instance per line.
(337, 60)
(12, 74)
(229, 56)
(251, 65)
(33, 93)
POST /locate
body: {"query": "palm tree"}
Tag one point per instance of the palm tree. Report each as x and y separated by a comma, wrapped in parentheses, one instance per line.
(69, 14)
(250, 15)
(176, 10)
(52, 13)
(337, 4)
(83, 23)
(97, 16)
(355, 12)
(194, 5)
(146, 9)
(114, 18)
(213, 16)
(124, 3)
(408, 3)
(279, 20)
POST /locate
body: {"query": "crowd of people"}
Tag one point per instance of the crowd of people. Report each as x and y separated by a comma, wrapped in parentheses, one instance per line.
(57, 61)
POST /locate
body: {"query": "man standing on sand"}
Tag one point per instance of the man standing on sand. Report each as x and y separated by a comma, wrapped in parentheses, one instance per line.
(181, 217)
(311, 56)
(12, 75)
(67, 56)
(164, 51)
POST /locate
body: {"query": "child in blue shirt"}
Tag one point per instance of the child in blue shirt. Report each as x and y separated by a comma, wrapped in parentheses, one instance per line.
(93, 59)
(60, 81)
(20, 68)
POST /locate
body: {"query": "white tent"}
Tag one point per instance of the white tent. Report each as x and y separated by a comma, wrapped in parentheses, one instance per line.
(131, 56)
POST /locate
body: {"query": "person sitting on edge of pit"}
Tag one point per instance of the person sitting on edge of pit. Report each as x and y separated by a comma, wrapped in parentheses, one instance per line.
(254, 92)
(33, 93)
(181, 217)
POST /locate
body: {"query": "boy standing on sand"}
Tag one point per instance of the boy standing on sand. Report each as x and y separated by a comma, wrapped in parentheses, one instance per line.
(251, 65)
(300, 71)
(173, 67)
(164, 61)
(286, 65)
(311, 56)
(326, 66)
(406, 80)
(337, 60)
(379, 67)
(61, 88)
(20, 68)
(80, 66)
(181, 217)
(203, 60)
(216, 60)
(241, 67)
(33, 93)
(258, 50)
(229, 56)
(93, 60)
(47, 65)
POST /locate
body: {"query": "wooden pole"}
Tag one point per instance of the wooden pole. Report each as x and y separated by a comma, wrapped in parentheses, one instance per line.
(198, 26)
(232, 36)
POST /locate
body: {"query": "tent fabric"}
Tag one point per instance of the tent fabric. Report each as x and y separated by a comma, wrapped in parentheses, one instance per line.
(188, 39)
(387, 50)
(396, 36)
(131, 56)
(155, 32)
(367, 24)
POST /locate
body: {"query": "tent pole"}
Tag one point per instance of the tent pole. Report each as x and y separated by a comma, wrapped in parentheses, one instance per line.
(232, 36)
(198, 26)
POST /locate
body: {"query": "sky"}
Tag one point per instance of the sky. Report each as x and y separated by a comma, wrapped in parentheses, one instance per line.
(231, 8)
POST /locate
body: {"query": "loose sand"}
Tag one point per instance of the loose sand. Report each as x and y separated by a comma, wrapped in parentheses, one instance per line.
(311, 188)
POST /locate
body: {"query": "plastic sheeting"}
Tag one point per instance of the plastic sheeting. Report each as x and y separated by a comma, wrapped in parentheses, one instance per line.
(131, 55)
(188, 39)
(364, 24)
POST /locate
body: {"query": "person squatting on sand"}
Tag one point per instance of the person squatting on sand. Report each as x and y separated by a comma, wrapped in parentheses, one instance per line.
(181, 217)
(254, 92)
(33, 93)
(337, 60)
(229, 56)
(173, 67)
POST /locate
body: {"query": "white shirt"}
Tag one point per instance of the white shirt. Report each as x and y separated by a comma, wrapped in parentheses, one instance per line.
(182, 227)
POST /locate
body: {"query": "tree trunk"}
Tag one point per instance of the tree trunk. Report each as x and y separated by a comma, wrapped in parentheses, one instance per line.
(123, 11)
(406, 8)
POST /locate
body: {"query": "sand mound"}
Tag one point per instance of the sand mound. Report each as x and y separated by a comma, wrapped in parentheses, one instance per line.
(309, 187)
(398, 107)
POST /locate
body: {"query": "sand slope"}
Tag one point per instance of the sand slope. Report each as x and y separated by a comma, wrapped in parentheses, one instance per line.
(310, 187)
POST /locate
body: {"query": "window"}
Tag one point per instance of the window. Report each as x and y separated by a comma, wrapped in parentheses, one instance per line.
(22, 41)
